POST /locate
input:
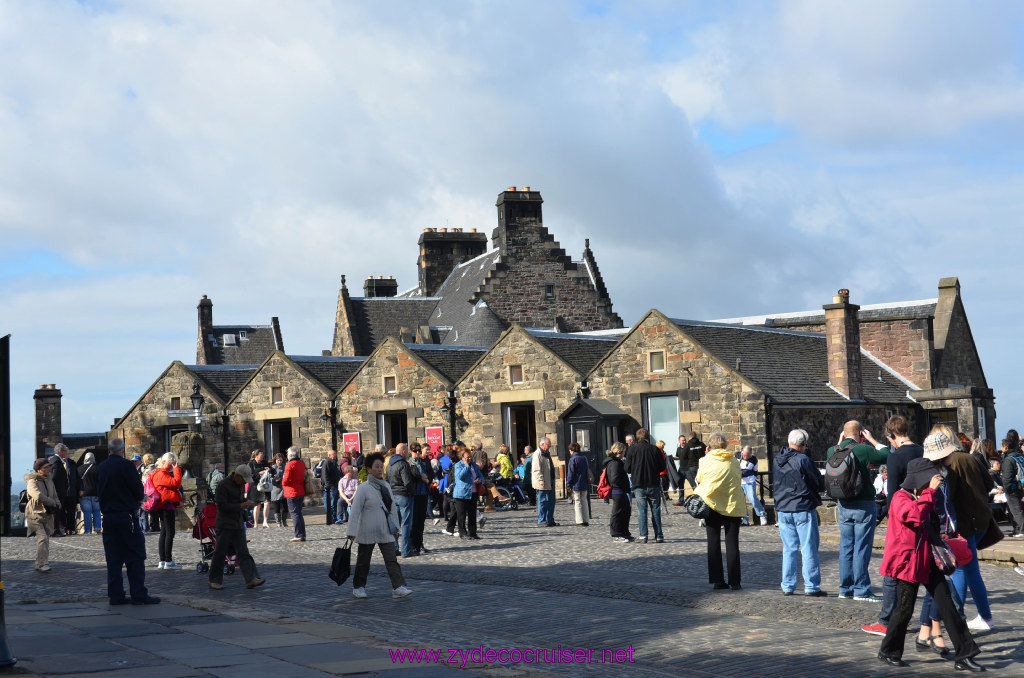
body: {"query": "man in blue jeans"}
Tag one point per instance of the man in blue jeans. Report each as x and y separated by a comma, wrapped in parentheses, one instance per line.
(330, 474)
(403, 485)
(645, 464)
(857, 516)
(798, 486)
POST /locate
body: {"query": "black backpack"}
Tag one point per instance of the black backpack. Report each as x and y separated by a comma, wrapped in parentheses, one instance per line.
(843, 479)
(318, 470)
(23, 500)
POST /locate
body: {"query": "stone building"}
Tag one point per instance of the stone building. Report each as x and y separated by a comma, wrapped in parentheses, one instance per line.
(234, 344)
(401, 389)
(516, 391)
(928, 343)
(468, 295)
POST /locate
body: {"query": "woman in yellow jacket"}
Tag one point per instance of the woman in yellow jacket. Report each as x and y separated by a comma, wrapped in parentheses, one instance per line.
(718, 483)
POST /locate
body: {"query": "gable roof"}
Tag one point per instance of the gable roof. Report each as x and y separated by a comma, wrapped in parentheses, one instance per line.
(922, 308)
(331, 371)
(230, 348)
(376, 318)
(789, 366)
(580, 352)
(224, 380)
(452, 362)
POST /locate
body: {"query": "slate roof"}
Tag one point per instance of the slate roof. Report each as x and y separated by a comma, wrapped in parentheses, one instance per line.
(581, 353)
(376, 318)
(923, 308)
(451, 361)
(454, 307)
(79, 441)
(331, 371)
(790, 366)
(224, 380)
(260, 342)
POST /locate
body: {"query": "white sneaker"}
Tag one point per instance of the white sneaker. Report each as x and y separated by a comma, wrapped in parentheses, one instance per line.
(764, 520)
(359, 593)
(437, 520)
(171, 565)
(979, 624)
(450, 534)
(161, 565)
(401, 592)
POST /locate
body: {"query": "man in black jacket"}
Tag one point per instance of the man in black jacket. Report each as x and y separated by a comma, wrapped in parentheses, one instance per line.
(692, 453)
(403, 486)
(230, 526)
(645, 465)
(64, 473)
(330, 474)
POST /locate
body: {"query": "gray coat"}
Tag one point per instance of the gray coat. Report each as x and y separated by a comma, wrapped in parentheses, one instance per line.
(367, 521)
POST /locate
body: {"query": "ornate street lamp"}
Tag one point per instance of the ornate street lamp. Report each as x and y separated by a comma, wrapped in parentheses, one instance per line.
(197, 402)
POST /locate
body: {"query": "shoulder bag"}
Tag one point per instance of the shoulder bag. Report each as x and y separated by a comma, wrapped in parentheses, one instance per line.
(696, 506)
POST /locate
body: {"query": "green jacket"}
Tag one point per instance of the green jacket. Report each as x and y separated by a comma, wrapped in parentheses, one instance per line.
(865, 454)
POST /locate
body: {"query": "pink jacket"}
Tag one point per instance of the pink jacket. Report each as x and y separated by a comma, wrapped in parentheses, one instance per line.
(908, 555)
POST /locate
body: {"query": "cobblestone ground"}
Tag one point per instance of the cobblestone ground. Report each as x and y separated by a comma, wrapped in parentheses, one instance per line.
(523, 586)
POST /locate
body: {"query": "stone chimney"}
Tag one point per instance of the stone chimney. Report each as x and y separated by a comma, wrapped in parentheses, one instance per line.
(48, 424)
(205, 308)
(380, 286)
(519, 210)
(842, 338)
(441, 250)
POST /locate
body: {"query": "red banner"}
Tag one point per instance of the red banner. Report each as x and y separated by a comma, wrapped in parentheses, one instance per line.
(435, 437)
(350, 442)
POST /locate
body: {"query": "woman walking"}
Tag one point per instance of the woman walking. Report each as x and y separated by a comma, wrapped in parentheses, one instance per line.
(167, 481)
(89, 502)
(718, 483)
(619, 481)
(908, 559)
(374, 521)
(43, 505)
(258, 464)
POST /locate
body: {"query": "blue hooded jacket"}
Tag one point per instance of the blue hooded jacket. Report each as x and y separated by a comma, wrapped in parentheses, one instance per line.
(796, 482)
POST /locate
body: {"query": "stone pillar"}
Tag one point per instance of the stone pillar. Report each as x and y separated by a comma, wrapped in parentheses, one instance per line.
(842, 337)
(48, 424)
(205, 309)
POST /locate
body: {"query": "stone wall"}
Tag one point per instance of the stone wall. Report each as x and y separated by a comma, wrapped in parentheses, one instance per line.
(48, 418)
(824, 424)
(711, 397)
(420, 393)
(531, 260)
(548, 383)
(958, 362)
(144, 427)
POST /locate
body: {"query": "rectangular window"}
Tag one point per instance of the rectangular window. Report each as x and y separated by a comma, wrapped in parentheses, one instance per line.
(175, 404)
(657, 361)
(515, 374)
(390, 385)
(549, 291)
(276, 395)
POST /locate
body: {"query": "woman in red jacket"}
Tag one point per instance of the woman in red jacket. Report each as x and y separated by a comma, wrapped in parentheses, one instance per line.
(908, 560)
(167, 481)
(294, 487)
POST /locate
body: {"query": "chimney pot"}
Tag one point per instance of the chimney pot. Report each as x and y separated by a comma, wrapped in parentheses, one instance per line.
(511, 188)
(525, 188)
(474, 230)
(444, 230)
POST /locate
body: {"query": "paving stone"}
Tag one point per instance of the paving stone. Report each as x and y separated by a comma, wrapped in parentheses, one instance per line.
(323, 630)
(232, 629)
(279, 640)
(109, 658)
(269, 668)
(324, 653)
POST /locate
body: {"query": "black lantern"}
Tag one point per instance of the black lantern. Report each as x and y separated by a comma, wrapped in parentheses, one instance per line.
(197, 401)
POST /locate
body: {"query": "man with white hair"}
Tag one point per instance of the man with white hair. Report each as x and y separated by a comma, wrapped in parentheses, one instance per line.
(798, 486)
(119, 489)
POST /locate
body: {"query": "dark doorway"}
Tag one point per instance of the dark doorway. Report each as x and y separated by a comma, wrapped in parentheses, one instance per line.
(392, 428)
(278, 434)
(519, 423)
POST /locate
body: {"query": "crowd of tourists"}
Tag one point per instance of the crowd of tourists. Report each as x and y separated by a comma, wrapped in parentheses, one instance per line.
(937, 497)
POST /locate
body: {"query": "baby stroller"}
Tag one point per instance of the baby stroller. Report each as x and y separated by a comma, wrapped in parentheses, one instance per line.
(203, 530)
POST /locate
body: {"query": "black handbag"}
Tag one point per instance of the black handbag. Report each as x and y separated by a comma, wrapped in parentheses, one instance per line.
(696, 506)
(341, 564)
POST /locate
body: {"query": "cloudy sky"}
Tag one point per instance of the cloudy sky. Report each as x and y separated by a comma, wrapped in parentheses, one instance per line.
(724, 159)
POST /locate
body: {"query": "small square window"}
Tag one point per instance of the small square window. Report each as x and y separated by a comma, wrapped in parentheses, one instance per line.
(242, 334)
(657, 361)
(276, 395)
(515, 374)
(175, 403)
(390, 385)
(549, 291)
